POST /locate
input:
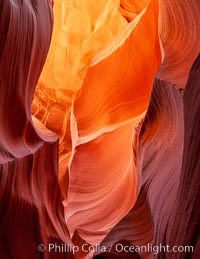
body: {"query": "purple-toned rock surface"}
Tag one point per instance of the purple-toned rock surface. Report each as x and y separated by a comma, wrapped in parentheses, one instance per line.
(102, 148)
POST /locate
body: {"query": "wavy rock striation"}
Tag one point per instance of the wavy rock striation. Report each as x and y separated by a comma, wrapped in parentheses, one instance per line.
(30, 196)
(168, 161)
(158, 161)
(183, 223)
(105, 130)
(90, 153)
(179, 27)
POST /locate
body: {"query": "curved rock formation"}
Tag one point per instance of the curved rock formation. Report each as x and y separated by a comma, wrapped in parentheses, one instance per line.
(99, 137)
(31, 211)
(105, 130)
(179, 31)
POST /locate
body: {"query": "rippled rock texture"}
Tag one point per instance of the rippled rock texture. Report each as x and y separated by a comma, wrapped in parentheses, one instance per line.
(99, 127)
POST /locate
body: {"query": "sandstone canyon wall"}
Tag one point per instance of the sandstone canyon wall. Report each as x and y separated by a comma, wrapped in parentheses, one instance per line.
(99, 128)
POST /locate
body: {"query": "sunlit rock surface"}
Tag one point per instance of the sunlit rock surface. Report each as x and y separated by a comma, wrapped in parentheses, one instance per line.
(99, 127)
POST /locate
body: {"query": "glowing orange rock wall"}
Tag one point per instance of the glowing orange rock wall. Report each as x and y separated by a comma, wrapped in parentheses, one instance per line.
(98, 144)
(99, 125)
